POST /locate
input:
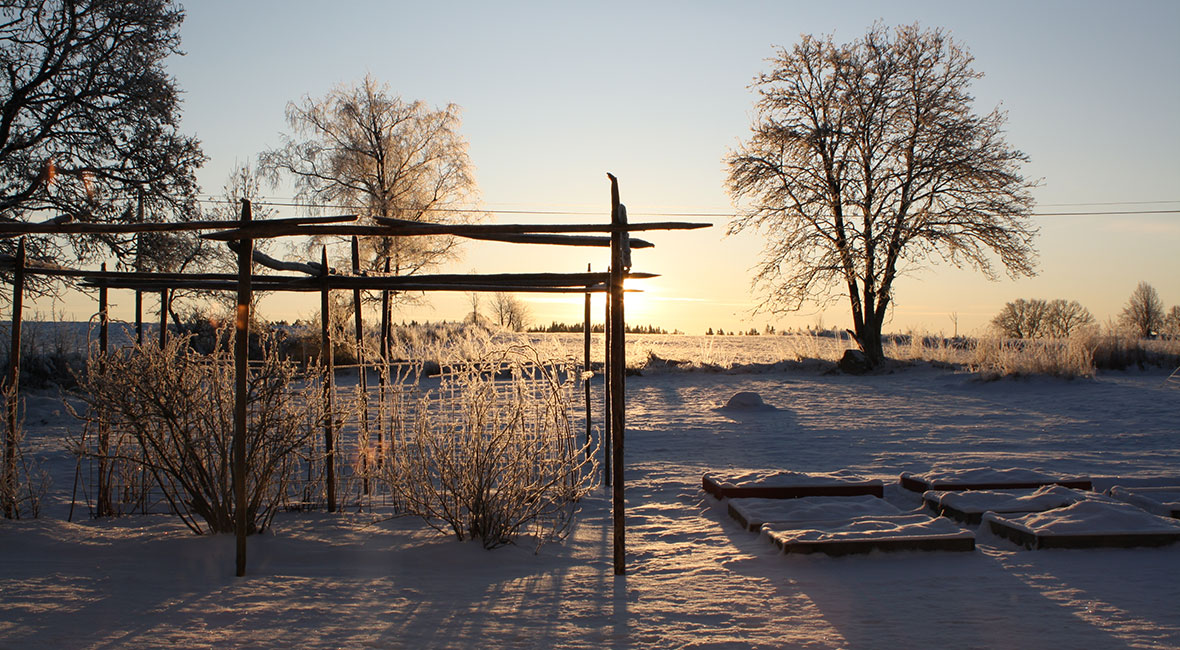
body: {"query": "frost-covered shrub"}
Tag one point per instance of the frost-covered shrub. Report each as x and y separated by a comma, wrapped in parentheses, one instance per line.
(490, 453)
(177, 406)
(1065, 358)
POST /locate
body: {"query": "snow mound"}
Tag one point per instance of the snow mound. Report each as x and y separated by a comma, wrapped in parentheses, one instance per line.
(747, 400)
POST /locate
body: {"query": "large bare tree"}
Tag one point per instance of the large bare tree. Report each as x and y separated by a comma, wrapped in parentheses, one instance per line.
(866, 159)
(362, 148)
(89, 119)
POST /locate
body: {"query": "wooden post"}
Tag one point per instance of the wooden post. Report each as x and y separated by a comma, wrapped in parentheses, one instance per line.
(12, 383)
(586, 367)
(606, 396)
(163, 318)
(382, 376)
(104, 507)
(618, 350)
(329, 379)
(138, 317)
(241, 370)
(138, 268)
(362, 380)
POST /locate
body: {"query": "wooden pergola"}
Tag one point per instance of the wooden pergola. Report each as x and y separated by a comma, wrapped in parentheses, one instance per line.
(311, 277)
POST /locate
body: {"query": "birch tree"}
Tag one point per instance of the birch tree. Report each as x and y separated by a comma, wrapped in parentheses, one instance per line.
(363, 148)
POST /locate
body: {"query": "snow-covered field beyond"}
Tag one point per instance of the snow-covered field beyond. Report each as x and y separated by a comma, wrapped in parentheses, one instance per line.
(695, 579)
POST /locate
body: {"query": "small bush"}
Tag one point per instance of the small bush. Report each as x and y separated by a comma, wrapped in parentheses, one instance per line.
(491, 452)
(177, 406)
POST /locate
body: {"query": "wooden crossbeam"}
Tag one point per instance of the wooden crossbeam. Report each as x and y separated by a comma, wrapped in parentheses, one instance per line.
(51, 227)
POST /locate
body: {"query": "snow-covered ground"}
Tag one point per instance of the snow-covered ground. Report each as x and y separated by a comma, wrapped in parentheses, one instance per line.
(695, 578)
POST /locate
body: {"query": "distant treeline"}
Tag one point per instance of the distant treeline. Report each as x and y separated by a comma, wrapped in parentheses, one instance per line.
(597, 328)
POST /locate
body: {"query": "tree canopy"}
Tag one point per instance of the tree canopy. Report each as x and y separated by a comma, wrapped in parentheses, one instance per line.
(363, 148)
(865, 160)
(89, 119)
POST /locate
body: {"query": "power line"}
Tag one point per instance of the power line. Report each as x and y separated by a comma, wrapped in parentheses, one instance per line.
(290, 203)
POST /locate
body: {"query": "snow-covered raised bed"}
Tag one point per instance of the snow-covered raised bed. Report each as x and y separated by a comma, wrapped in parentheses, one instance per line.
(1163, 501)
(987, 478)
(783, 484)
(1092, 523)
(968, 506)
(914, 532)
(752, 513)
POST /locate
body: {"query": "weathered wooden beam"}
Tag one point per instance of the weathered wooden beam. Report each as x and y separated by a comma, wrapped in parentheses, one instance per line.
(618, 373)
(556, 240)
(398, 228)
(15, 228)
(310, 268)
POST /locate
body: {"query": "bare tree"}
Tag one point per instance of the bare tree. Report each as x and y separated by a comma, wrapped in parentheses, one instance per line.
(89, 118)
(1022, 319)
(1066, 318)
(363, 148)
(1037, 318)
(1171, 326)
(866, 159)
(510, 311)
(1144, 312)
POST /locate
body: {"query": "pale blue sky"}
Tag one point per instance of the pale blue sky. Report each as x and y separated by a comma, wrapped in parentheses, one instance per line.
(555, 94)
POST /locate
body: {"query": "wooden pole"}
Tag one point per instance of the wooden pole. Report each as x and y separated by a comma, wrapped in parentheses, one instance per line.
(163, 318)
(382, 376)
(362, 380)
(329, 372)
(606, 395)
(138, 317)
(618, 350)
(241, 370)
(12, 383)
(138, 268)
(586, 366)
(104, 507)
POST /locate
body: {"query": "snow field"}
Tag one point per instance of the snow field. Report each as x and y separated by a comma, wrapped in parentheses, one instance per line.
(696, 578)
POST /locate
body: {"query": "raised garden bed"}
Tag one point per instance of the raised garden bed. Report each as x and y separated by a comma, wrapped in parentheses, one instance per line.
(916, 532)
(968, 507)
(781, 484)
(752, 513)
(1090, 523)
(986, 478)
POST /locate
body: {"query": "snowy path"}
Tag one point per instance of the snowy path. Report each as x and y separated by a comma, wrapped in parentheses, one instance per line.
(695, 579)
